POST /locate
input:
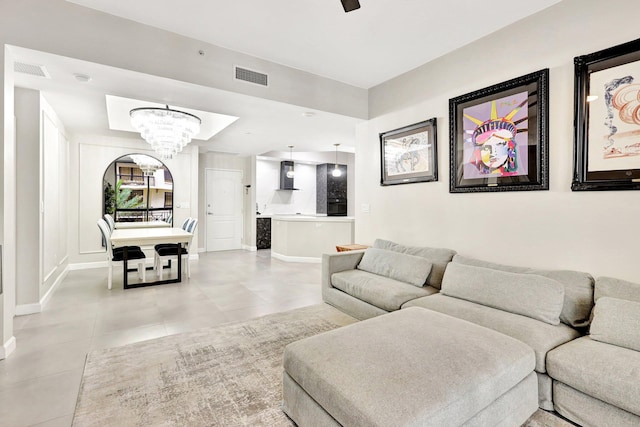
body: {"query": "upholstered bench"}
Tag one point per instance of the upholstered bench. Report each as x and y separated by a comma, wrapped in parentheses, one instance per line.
(407, 368)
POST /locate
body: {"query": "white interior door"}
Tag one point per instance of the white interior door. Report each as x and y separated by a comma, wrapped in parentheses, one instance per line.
(224, 209)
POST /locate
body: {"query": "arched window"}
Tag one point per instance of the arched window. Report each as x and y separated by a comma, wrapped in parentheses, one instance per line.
(138, 187)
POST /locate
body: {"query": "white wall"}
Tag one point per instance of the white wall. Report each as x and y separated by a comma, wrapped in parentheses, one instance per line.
(347, 159)
(41, 205)
(587, 231)
(27, 110)
(7, 203)
(67, 29)
(90, 155)
(270, 200)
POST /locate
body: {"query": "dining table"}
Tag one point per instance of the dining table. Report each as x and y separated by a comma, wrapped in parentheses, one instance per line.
(150, 236)
(141, 224)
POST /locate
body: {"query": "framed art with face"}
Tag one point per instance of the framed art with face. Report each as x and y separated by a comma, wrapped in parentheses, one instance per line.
(607, 117)
(499, 137)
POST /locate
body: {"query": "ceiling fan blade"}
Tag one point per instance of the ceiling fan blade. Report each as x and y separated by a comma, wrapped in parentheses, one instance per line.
(350, 5)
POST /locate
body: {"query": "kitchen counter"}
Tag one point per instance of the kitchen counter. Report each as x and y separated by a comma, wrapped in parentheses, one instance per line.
(314, 218)
(304, 238)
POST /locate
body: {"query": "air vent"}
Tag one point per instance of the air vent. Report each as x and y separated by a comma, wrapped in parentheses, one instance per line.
(251, 76)
(34, 70)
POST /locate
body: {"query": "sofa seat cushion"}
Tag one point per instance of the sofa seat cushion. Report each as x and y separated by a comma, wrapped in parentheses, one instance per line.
(408, 368)
(541, 337)
(383, 292)
(604, 371)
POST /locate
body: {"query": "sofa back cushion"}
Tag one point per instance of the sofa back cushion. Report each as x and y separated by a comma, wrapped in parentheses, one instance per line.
(616, 321)
(616, 288)
(529, 295)
(578, 288)
(395, 265)
(439, 257)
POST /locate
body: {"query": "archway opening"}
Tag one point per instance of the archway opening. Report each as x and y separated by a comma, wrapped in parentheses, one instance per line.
(138, 187)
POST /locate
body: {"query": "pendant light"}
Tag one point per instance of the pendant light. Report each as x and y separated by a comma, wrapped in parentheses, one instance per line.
(290, 173)
(336, 171)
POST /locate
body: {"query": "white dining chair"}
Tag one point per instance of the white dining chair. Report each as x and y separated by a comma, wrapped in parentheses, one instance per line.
(167, 251)
(110, 222)
(117, 254)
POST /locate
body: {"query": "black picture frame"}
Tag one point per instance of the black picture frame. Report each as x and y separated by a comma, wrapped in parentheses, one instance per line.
(496, 144)
(607, 122)
(409, 154)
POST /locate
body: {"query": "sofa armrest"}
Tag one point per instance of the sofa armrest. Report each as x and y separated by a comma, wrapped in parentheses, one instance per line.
(341, 261)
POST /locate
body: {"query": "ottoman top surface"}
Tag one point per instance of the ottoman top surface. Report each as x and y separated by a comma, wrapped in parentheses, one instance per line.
(410, 367)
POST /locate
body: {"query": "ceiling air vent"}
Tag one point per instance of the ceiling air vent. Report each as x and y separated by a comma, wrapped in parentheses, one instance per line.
(251, 76)
(34, 70)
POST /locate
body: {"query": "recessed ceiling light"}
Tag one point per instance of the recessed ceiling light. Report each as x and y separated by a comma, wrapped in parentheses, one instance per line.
(82, 78)
(308, 114)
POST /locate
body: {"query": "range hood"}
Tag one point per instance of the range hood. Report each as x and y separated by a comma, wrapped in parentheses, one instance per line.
(286, 183)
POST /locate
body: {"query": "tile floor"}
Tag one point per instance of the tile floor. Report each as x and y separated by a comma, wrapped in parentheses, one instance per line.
(39, 382)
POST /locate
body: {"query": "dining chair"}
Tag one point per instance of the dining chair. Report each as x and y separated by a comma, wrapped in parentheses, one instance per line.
(184, 225)
(167, 251)
(110, 222)
(117, 254)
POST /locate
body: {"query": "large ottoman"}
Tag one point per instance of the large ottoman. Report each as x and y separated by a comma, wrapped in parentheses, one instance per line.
(413, 367)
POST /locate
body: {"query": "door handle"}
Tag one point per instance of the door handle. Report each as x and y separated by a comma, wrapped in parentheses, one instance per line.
(209, 213)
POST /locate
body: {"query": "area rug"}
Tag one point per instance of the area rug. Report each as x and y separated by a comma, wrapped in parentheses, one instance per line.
(229, 375)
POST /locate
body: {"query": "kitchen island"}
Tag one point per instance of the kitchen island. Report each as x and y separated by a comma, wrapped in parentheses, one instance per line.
(304, 238)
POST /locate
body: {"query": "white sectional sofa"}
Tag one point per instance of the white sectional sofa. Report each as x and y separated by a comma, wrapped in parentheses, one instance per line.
(541, 308)
(596, 378)
(585, 360)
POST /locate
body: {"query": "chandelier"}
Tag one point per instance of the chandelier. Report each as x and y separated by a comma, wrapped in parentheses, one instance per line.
(148, 165)
(168, 131)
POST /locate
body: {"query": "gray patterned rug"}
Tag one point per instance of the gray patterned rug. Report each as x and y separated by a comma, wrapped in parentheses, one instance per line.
(228, 375)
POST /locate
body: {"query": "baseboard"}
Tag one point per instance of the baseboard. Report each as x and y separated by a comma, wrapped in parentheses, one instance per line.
(287, 258)
(88, 265)
(24, 309)
(8, 348)
(250, 248)
(45, 299)
(201, 250)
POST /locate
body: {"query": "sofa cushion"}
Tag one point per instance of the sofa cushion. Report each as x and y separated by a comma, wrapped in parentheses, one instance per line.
(395, 265)
(408, 368)
(616, 321)
(541, 337)
(587, 411)
(616, 288)
(387, 294)
(439, 257)
(604, 371)
(578, 288)
(530, 295)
